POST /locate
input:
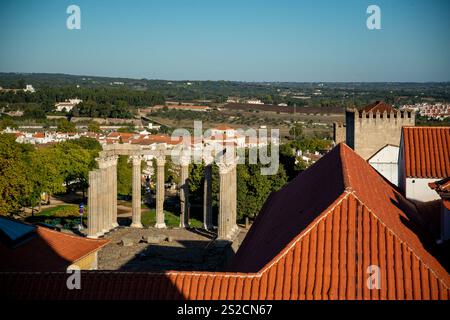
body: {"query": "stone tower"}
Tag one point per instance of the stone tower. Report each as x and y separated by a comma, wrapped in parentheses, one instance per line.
(373, 127)
(338, 132)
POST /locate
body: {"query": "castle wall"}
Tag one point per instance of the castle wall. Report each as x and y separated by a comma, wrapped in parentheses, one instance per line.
(350, 128)
(339, 133)
(372, 131)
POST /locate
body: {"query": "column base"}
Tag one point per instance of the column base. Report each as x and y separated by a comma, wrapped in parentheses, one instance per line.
(184, 225)
(208, 227)
(160, 225)
(137, 225)
(115, 225)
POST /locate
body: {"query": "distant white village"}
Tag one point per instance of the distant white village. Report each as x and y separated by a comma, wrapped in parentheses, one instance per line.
(438, 111)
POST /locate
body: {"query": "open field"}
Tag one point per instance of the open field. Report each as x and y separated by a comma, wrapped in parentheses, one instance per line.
(314, 123)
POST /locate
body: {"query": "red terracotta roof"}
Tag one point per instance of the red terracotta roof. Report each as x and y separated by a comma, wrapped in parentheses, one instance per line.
(332, 222)
(313, 239)
(116, 134)
(39, 135)
(441, 185)
(379, 106)
(49, 250)
(223, 127)
(426, 151)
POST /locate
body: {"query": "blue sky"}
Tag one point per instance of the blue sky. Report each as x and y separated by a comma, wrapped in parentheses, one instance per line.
(248, 40)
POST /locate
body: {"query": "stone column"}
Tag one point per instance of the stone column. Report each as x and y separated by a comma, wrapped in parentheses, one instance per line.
(102, 195)
(104, 199)
(136, 201)
(160, 162)
(92, 205)
(184, 192)
(227, 201)
(233, 197)
(109, 193)
(207, 197)
(224, 203)
(114, 191)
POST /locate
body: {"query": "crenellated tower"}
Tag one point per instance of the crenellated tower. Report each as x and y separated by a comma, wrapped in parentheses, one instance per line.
(373, 127)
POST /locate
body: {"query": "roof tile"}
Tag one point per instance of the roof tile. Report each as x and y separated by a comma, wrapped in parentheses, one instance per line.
(426, 151)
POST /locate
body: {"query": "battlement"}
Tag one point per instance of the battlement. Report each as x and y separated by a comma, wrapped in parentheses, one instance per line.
(338, 125)
(371, 128)
(380, 115)
(339, 132)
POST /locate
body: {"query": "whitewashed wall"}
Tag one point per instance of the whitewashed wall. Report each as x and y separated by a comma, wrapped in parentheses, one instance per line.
(385, 161)
(418, 189)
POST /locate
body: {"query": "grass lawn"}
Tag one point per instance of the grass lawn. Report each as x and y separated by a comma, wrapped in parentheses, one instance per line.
(171, 219)
(66, 215)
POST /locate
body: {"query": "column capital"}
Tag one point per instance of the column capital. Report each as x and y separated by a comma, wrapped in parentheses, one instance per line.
(160, 155)
(225, 167)
(208, 159)
(136, 159)
(114, 159)
(160, 160)
(185, 160)
(103, 162)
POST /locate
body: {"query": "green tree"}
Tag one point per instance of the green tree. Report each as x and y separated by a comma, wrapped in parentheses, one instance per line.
(45, 176)
(254, 188)
(124, 171)
(196, 180)
(296, 131)
(94, 126)
(7, 123)
(21, 84)
(14, 184)
(66, 126)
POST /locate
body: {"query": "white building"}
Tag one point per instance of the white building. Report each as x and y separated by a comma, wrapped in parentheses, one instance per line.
(224, 135)
(424, 157)
(254, 101)
(233, 100)
(385, 161)
(67, 105)
(29, 88)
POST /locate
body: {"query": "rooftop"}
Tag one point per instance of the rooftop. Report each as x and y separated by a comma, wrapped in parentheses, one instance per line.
(43, 249)
(379, 106)
(313, 239)
(426, 152)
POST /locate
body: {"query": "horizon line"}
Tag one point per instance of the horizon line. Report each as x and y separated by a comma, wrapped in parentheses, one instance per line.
(220, 80)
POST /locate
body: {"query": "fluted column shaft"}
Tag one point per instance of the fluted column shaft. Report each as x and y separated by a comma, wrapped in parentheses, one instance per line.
(104, 199)
(136, 190)
(109, 195)
(114, 191)
(224, 210)
(227, 200)
(92, 219)
(160, 163)
(184, 194)
(233, 196)
(207, 198)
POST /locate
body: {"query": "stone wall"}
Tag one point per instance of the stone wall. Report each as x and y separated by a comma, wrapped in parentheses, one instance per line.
(369, 132)
(338, 132)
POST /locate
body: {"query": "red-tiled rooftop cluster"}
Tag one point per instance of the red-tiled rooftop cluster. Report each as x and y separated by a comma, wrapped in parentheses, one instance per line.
(313, 239)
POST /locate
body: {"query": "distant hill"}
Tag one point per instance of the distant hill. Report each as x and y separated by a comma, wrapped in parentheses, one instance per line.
(326, 94)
